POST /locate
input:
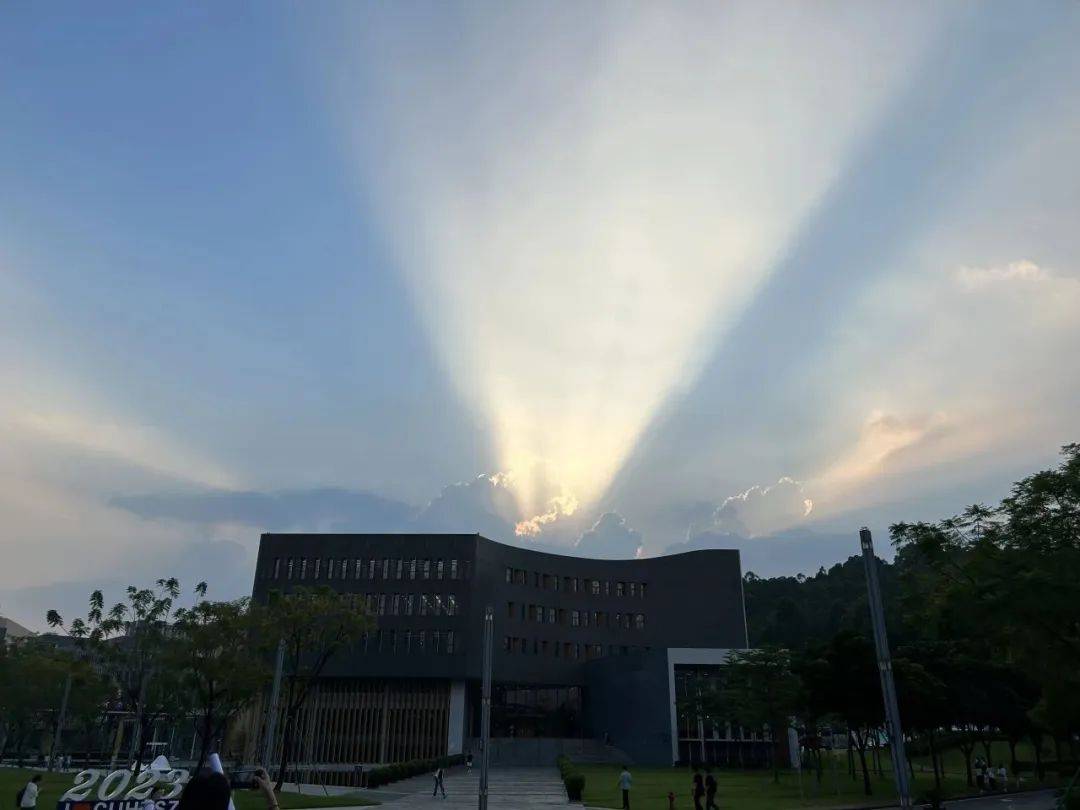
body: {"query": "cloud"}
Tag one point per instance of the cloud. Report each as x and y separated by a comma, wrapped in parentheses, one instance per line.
(1023, 271)
(760, 510)
(611, 537)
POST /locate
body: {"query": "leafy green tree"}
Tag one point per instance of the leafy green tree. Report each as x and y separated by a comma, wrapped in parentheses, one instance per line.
(31, 687)
(315, 625)
(131, 643)
(761, 690)
(219, 654)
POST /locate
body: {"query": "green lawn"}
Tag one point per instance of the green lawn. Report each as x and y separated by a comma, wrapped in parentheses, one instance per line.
(54, 785)
(751, 790)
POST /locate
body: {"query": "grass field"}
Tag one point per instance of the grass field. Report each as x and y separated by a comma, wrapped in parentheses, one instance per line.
(54, 785)
(755, 790)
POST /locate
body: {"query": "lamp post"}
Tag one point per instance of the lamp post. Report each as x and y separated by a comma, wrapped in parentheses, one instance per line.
(485, 707)
(885, 669)
(272, 707)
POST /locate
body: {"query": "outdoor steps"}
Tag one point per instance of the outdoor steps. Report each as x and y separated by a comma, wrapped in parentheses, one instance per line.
(511, 787)
(541, 751)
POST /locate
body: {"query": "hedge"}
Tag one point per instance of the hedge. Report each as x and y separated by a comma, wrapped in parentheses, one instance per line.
(385, 774)
(573, 779)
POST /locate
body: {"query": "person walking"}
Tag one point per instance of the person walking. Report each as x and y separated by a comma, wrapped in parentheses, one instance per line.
(438, 784)
(625, 782)
(1003, 777)
(28, 796)
(698, 789)
(468, 763)
(710, 790)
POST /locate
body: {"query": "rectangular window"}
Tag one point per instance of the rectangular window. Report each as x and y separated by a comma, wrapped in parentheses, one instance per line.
(575, 618)
(318, 568)
(371, 568)
(399, 568)
(408, 604)
(423, 604)
(425, 572)
(506, 643)
(395, 605)
(551, 615)
(391, 644)
(449, 642)
(626, 621)
(451, 605)
(562, 615)
(596, 618)
(453, 569)
(330, 568)
(620, 589)
(618, 620)
(509, 610)
(466, 571)
(519, 576)
(371, 603)
(438, 604)
(358, 566)
(303, 568)
(382, 604)
(595, 585)
(509, 575)
(436, 641)
(544, 647)
(532, 613)
(639, 621)
(577, 651)
(584, 618)
(642, 590)
(344, 569)
(438, 568)
(536, 579)
(277, 567)
(633, 589)
(385, 568)
(421, 637)
(406, 641)
(607, 587)
(412, 569)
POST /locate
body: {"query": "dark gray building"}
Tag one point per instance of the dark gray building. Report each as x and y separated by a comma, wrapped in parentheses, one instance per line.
(570, 634)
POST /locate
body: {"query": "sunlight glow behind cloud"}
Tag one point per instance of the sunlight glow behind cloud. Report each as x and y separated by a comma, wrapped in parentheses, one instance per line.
(580, 216)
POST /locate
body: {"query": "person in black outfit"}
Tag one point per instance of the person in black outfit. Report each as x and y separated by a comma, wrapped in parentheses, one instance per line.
(710, 791)
(698, 790)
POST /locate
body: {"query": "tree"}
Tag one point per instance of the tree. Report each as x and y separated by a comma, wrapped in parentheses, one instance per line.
(31, 686)
(220, 656)
(762, 691)
(314, 625)
(131, 643)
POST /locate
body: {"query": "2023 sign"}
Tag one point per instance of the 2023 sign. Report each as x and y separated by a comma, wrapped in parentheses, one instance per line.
(116, 792)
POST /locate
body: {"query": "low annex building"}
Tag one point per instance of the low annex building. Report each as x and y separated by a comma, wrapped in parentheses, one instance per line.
(585, 651)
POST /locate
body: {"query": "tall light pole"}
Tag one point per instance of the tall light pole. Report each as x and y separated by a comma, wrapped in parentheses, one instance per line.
(485, 706)
(61, 718)
(272, 707)
(888, 687)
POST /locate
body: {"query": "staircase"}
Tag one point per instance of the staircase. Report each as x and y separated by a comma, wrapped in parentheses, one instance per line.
(542, 751)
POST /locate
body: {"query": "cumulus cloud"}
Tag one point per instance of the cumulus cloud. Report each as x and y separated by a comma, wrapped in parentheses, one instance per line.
(763, 509)
(611, 537)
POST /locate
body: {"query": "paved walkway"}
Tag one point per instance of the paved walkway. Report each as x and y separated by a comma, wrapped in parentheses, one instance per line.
(508, 788)
(1036, 800)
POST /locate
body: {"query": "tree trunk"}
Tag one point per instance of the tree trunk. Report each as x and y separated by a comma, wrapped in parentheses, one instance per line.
(934, 762)
(1036, 743)
(204, 743)
(968, 749)
(861, 743)
(286, 747)
(1012, 755)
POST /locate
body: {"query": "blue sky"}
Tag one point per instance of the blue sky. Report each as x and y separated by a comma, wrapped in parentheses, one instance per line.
(612, 278)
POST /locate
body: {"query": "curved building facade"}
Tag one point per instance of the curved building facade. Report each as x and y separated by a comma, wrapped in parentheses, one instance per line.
(567, 631)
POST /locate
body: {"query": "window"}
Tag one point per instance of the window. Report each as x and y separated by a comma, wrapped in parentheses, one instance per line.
(642, 590)
(519, 576)
(425, 571)
(399, 566)
(303, 568)
(453, 569)
(633, 589)
(391, 641)
(562, 615)
(620, 589)
(449, 642)
(639, 621)
(544, 647)
(438, 604)
(371, 603)
(318, 568)
(330, 568)
(467, 570)
(277, 567)
(575, 618)
(358, 568)
(618, 620)
(436, 641)
(509, 610)
(607, 587)
(412, 569)
(626, 621)
(408, 604)
(584, 618)
(506, 643)
(344, 569)
(551, 615)
(577, 651)
(395, 605)
(509, 576)
(385, 568)
(532, 613)
(451, 605)
(536, 579)
(595, 586)
(371, 568)
(438, 569)
(382, 604)
(424, 604)
(406, 642)
(421, 637)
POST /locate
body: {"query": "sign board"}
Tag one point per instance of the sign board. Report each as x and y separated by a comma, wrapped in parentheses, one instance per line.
(96, 789)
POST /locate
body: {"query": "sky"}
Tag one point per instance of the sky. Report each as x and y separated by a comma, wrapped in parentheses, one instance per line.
(613, 279)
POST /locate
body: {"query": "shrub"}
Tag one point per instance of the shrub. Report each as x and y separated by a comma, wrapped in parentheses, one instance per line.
(573, 779)
(385, 774)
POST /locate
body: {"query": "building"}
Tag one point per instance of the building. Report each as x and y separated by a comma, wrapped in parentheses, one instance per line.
(578, 644)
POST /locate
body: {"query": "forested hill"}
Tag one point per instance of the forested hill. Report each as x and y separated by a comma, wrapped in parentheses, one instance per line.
(795, 612)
